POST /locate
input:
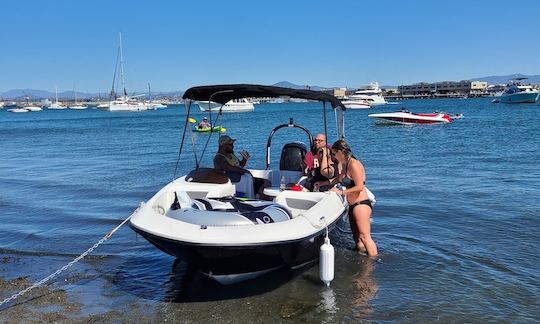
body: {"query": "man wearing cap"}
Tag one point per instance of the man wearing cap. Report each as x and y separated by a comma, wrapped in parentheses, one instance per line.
(226, 161)
(204, 124)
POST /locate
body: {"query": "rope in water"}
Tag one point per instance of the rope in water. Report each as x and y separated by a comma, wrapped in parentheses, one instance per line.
(77, 259)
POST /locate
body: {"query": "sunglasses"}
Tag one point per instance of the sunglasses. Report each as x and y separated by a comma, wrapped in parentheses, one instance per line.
(318, 140)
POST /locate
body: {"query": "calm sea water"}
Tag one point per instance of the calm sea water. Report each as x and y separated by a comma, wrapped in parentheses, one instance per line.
(456, 220)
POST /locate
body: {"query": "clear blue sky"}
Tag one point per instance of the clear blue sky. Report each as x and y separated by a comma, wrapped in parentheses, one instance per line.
(178, 44)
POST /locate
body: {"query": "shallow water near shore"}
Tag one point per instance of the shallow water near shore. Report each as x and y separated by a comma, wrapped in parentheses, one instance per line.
(456, 219)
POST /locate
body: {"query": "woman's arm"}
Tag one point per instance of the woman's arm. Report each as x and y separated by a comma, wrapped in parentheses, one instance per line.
(327, 166)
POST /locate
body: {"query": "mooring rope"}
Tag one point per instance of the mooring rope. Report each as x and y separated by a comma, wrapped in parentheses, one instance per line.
(77, 259)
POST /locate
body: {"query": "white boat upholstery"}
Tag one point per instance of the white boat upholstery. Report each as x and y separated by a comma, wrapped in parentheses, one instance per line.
(245, 186)
(206, 190)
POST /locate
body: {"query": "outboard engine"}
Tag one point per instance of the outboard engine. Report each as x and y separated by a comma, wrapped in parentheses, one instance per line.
(292, 156)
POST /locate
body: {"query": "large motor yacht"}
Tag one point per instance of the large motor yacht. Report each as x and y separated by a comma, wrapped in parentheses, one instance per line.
(516, 92)
(371, 93)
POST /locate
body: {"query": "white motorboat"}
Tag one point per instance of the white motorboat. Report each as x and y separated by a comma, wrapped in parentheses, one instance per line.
(370, 93)
(18, 110)
(234, 105)
(33, 108)
(356, 104)
(200, 217)
(516, 92)
(405, 117)
(156, 105)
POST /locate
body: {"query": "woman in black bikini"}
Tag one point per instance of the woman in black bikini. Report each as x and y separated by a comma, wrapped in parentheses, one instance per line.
(353, 177)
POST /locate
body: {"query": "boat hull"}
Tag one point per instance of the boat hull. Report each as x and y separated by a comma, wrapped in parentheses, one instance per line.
(127, 107)
(228, 107)
(405, 118)
(233, 263)
(528, 97)
(351, 104)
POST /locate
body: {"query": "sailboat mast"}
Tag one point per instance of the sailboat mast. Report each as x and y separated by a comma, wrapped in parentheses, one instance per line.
(122, 65)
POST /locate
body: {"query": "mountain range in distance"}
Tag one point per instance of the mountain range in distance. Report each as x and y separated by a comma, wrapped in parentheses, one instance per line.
(40, 94)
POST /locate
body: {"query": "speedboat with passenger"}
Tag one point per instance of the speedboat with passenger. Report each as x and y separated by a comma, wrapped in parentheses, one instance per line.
(516, 92)
(219, 225)
(405, 117)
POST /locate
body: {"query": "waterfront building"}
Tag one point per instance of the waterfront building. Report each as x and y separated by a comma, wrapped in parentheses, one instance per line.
(339, 93)
(447, 88)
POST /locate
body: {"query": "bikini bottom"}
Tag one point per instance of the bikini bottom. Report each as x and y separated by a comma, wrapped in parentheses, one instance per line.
(366, 202)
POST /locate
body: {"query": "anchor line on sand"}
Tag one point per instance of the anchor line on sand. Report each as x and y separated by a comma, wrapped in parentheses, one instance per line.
(77, 259)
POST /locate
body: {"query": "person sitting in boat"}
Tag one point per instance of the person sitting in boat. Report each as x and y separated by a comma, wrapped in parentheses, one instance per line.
(204, 124)
(226, 161)
(320, 166)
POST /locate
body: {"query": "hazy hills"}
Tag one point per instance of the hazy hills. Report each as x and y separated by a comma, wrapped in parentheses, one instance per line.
(38, 94)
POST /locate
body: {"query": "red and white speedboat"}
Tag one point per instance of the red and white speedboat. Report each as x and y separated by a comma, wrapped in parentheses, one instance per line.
(406, 117)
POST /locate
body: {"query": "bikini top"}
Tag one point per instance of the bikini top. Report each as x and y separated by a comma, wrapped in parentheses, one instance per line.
(348, 182)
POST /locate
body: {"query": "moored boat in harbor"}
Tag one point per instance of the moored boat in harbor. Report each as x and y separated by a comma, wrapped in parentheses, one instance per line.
(405, 117)
(516, 92)
(234, 105)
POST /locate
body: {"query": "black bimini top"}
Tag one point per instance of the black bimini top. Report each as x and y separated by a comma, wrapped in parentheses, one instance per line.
(226, 92)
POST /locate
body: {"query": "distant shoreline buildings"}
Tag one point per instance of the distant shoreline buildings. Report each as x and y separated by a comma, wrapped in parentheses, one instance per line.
(443, 89)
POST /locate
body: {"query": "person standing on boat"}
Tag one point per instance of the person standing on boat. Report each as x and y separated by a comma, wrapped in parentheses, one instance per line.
(353, 178)
(204, 124)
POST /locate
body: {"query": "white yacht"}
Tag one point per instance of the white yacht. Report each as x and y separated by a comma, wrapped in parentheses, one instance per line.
(18, 110)
(123, 103)
(234, 105)
(57, 104)
(516, 92)
(76, 105)
(370, 93)
(126, 103)
(31, 107)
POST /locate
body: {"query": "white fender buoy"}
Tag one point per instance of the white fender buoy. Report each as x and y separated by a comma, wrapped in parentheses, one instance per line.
(326, 262)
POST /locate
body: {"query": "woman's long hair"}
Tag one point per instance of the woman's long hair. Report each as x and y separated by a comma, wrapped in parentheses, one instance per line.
(342, 146)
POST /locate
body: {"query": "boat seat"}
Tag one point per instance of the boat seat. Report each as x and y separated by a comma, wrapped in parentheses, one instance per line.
(257, 211)
(207, 175)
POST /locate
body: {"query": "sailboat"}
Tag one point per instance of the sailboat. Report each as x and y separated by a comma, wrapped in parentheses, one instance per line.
(57, 104)
(76, 105)
(123, 103)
